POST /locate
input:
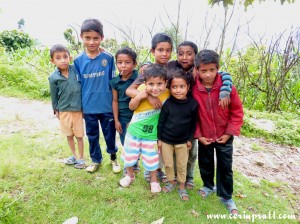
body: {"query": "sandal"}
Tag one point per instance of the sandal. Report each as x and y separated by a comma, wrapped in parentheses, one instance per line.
(169, 187)
(155, 187)
(189, 184)
(80, 164)
(136, 168)
(147, 176)
(204, 192)
(183, 193)
(70, 160)
(230, 205)
(162, 176)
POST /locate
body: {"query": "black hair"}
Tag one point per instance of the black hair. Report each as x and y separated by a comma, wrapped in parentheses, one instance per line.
(207, 57)
(161, 37)
(128, 51)
(177, 73)
(188, 43)
(92, 25)
(146, 63)
(155, 70)
(58, 48)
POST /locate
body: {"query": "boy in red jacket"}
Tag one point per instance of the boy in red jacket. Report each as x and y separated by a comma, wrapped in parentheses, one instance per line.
(215, 128)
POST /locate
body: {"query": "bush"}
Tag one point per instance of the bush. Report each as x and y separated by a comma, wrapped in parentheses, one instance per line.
(14, 39)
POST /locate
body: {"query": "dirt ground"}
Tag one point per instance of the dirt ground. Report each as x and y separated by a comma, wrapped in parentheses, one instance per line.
(269, 161)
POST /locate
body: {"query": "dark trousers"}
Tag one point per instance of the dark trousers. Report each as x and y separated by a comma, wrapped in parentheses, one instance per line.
(224, 167)
(93, 134)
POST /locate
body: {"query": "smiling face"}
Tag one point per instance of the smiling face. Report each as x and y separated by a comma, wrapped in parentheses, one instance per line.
(61, 59)
(91, 41)
(125, 65)
(155, 86)
(179, 88)
(186, 57)
(162, 53)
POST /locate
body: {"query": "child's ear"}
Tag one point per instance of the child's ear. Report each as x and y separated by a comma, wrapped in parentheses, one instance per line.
(52, 61)
(152, 51)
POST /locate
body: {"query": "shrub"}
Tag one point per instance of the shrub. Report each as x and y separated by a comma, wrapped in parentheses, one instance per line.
(14, 39)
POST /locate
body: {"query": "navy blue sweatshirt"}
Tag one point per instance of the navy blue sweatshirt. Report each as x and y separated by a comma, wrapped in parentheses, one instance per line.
(177, 121)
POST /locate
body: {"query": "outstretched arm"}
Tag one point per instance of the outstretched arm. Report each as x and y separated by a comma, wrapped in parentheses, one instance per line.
(132, 92)
(135, 102)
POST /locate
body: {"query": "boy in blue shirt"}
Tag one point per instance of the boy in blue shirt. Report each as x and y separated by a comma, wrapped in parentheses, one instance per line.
(96, 69)
(65, 92)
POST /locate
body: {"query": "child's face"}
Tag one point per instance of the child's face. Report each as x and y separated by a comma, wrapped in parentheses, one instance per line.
(155, 86)
(185, 57)
(179, 88)
(125, 64)
(207, 73)
(162, 53)
(91, 40)
(61, 60)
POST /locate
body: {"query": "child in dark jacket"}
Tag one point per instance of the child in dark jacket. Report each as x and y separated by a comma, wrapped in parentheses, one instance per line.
(215, 128)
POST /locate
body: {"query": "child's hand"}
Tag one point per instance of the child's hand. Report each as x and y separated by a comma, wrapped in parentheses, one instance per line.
(189, 145)
(155, 102)
(205, 141)
(118, 127)
(142, 94)
(159, 146)
(223, 139)
(224, 103)
(56, 112)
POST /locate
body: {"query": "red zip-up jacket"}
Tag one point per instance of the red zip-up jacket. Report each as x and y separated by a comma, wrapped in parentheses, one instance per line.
(213, 121)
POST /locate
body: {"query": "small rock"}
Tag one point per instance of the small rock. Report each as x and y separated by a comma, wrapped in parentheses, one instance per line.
(73, 220)
(260, 163)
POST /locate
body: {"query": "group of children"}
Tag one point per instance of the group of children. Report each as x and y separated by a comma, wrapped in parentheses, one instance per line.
(166, 115)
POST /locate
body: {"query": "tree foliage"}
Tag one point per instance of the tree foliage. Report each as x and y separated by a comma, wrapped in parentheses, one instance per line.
(21, 24)
(72, 40)
(14, 39)
(246, 3)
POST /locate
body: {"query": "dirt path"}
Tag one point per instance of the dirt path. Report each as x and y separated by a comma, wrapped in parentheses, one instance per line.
(270, 162)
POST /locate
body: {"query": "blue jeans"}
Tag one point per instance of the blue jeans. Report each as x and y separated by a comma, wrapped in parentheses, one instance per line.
(224, 167)
(93, 134)
(124, 128)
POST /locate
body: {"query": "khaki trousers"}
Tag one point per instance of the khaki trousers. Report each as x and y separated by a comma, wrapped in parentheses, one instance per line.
(182, 155)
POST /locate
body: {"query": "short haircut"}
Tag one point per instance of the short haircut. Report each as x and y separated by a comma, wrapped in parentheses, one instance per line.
(128, 51)
(154, 71)
(177, 73)
(207, 57)
(58, 48)
(188, 43)
(92, 25)
(159, 38)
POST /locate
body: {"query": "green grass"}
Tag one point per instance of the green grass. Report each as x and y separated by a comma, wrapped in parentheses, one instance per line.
(35, 188)
(285, 132)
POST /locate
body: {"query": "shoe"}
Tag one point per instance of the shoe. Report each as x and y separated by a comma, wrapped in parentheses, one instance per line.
(155, 187)
(70, 160)
(126, 181)
(93, 167)
(115, 166)
(80, 164)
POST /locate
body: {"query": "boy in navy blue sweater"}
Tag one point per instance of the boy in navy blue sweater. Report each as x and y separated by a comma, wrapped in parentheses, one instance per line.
(96, 68)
